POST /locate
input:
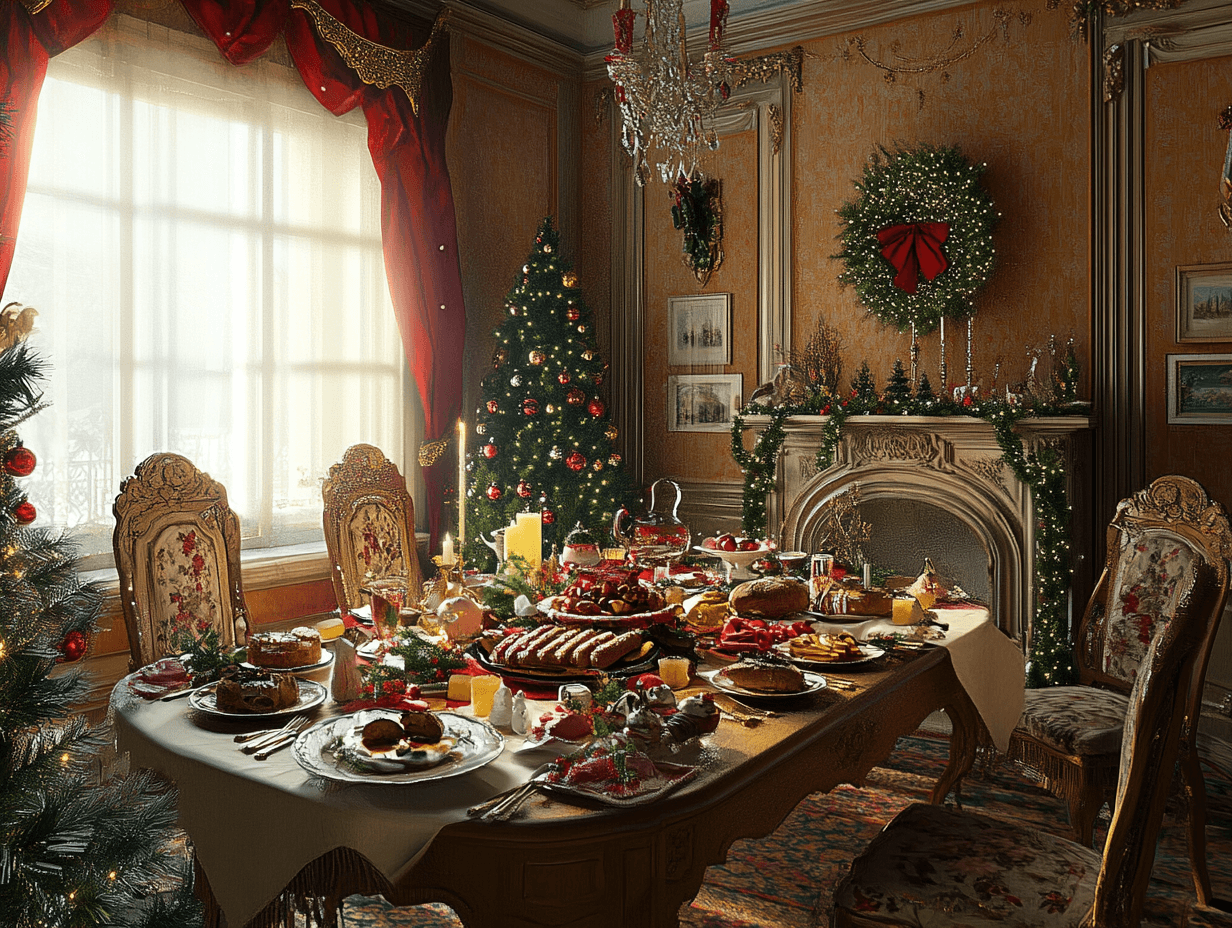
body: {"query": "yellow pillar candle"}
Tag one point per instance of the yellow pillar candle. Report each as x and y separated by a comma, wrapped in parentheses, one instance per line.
(524, 538)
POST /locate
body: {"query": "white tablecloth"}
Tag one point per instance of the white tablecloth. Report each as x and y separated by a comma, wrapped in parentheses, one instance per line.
(255, 824)
(989, 665)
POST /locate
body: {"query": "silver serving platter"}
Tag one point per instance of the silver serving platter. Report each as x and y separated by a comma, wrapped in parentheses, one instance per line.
(478, 744)
(812, 683)
(311, 695)
(868, 653)
(327, 658)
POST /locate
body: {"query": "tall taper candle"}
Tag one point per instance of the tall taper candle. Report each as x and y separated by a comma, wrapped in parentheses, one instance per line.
(461, 484)
(945, 387)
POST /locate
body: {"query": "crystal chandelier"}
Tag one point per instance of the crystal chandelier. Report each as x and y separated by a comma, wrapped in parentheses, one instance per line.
(668, 102)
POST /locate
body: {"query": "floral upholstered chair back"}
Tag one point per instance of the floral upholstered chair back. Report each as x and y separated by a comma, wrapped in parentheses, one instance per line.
(1157, 540)
(177, 546)
(369, 525)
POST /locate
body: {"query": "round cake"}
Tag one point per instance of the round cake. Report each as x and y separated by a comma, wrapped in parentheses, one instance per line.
(299, 647)
(251, 691)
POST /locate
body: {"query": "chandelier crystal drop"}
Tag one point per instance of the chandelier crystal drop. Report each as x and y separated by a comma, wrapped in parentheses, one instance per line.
(666, 101)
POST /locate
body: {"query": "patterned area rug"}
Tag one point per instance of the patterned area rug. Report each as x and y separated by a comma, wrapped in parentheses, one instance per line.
(786, 879)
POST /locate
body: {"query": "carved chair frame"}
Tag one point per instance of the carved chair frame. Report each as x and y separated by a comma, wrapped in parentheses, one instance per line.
(168, 490)
(1156, 730)
(365, 476)
(1181, 508)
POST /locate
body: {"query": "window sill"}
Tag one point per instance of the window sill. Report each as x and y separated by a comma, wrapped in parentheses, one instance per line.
(262, 568)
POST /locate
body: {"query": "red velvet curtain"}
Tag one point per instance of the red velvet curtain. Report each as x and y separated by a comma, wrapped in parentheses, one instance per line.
(408, 151)
(27, 41)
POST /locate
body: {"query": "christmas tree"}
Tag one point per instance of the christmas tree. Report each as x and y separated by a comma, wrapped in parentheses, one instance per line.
(924, 392)
(75, 849)
(545, 441)
(864, 388)
(898, 389)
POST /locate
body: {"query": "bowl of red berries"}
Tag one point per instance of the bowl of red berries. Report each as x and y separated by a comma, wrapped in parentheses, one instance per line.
(736, 552)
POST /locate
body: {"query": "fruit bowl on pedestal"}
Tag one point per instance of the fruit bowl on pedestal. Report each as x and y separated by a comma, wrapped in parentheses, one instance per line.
(737, 562)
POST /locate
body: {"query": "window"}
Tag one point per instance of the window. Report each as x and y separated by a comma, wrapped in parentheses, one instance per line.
(202, 242)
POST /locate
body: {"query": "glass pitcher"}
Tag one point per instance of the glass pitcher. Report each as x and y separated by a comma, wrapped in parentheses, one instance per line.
(655, 537)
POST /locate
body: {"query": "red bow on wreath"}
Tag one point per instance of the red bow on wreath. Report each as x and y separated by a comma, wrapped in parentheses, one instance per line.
(914, 249)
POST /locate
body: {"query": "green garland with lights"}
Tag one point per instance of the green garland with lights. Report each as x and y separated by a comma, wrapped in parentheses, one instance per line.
(904, 187)
(1052, 658)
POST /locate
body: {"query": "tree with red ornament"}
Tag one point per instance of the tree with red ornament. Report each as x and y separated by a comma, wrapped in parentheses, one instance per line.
(542, 439)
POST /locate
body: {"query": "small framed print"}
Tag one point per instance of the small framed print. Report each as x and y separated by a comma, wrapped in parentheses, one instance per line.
(1204, 303)
(1200, 389)
(700, 329)
(703, 402)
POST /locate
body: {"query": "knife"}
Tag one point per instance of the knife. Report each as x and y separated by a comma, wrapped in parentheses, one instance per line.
(286, 741)
(185, 692)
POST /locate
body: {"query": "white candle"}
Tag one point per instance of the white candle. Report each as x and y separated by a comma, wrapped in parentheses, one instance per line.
(868, 575)
(461, 485)
(447, 550)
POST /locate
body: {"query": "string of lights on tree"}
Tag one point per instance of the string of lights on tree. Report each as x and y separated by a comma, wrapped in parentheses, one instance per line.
(917, 241)
(546, 442)
(73, 850)
(1042, 469)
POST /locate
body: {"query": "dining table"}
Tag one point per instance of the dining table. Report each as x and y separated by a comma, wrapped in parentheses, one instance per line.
(269, 834)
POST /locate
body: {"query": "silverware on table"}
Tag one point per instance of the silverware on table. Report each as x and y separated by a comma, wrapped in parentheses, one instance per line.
(285, 742)
(187, 691)
(291, 730)
(263, 733)
(488, 804)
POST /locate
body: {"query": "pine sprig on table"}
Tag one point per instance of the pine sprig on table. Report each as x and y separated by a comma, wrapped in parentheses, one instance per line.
(423, 662)
(205, 654)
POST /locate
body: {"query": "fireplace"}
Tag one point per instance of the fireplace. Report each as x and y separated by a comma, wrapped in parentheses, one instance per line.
(936, 487)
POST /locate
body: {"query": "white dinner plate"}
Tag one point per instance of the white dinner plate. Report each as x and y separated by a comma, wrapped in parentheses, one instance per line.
(813, 682)
(868, 653)
(317, 750)
(311, 695)
(327, 658)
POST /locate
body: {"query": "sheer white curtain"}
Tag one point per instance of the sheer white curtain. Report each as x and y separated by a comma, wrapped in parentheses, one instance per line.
(203, 245)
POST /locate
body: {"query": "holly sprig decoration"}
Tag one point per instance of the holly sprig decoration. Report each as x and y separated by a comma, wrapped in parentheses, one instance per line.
(906, 187)
(423, 662)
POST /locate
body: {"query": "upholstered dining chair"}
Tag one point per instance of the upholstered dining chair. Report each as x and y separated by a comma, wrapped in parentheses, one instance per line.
(369, 525)
(177, 551)
(1069, 737)
(934, 866)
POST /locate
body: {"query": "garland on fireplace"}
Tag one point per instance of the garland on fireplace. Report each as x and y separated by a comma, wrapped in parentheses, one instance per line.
(1042, 469)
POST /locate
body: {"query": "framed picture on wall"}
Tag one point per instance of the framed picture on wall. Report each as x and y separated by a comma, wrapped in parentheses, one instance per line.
(702, 402)
(700, 329)
(1204, 303)
(1200, 389)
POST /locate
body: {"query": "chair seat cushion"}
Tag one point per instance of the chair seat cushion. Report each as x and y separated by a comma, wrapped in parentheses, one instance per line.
(933, 867)
(1075, 719)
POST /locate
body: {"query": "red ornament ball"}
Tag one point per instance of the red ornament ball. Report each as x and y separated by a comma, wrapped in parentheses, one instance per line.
(596, 408)
(549, 517)
(613, 460)
(572, 313)
(537, 357)
(575, 396)
(523, 489)
(489, 450)
(575, 461)
(74, 646)
(493, 407)
(597, 378)
(19, 461)
(530, 406)
(25, 513)
(562, 378)
(494, 492)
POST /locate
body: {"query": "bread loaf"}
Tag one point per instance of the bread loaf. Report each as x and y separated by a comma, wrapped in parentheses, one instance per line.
(765, 678)
(607, 654)
(772, 597)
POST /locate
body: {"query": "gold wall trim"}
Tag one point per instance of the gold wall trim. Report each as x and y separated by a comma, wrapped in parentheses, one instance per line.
(375, 64)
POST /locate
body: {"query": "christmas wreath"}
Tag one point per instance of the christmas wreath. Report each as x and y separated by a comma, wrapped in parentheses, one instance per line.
(917, 242)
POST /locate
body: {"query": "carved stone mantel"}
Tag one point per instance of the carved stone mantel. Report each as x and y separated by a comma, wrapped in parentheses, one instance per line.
(953, 463)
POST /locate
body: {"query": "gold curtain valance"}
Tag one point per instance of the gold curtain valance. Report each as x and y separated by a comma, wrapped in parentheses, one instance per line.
(375, 64)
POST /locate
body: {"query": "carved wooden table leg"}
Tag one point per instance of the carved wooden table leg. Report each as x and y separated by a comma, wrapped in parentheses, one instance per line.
(966, 729)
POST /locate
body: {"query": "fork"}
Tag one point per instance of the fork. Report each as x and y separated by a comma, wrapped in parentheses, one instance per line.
(490, 804)
(292, 728)
(264, 732)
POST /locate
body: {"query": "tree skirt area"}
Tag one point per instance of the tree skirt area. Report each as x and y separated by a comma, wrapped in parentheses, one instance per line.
(785, 880)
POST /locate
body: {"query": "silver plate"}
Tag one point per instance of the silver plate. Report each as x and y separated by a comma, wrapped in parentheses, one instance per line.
(868, 653)
(311, 695)
(813, 682)
(327, 658)
(479, 744)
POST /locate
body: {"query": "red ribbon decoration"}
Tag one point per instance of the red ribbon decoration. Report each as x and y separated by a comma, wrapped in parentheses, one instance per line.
(914, 249)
